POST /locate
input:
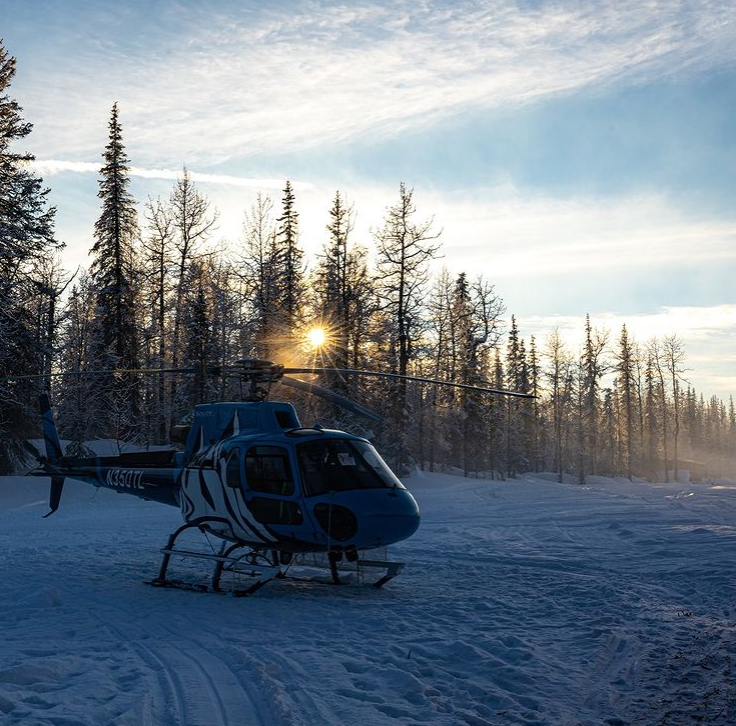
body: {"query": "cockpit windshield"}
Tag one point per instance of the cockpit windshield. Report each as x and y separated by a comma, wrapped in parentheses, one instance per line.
(338, 465)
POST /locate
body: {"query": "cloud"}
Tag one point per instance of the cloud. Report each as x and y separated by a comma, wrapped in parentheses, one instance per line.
(49, 167)
(513, 237)
(534, 235)
(239, 81)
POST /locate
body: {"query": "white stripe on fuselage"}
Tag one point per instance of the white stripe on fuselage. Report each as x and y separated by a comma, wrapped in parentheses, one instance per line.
(244, 525)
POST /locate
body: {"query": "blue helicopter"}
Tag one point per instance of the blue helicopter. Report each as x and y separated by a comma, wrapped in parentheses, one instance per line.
(273, 492)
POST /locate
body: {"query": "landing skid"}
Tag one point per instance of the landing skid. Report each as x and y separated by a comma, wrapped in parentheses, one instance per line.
(250, 563)
(261, 566)
(341, 567)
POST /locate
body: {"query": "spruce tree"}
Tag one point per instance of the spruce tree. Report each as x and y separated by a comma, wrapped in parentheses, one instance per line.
(625, 371)
(594, 369)
(536, 443)
(198, 340)
(517, 379)
(26, 237)
(497, 419)
(343, 286)
(334, 279)
(290, 268)
(651, 418)
(116, 341)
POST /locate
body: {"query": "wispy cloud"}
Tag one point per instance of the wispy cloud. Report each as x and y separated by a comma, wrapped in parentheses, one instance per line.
(528, 235)
(281, 79)
(48, 167)
(514, 238)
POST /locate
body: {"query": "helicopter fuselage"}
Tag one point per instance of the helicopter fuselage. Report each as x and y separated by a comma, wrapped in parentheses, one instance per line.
(300, 490)
(293, 490)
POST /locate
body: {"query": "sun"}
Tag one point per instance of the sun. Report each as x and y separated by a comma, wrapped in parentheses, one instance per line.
(316, 337)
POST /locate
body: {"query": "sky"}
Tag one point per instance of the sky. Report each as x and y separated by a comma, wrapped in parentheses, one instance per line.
(581, 156)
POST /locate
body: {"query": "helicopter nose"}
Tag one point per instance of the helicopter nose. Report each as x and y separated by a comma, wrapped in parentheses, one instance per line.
(400, 519)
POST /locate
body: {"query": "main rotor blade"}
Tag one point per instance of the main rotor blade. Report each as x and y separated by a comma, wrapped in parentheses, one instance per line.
(112, 371)
(418, 379)
(332, 397)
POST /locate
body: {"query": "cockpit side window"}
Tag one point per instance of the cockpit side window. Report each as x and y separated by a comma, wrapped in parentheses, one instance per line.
(267, 470)
(232, 470)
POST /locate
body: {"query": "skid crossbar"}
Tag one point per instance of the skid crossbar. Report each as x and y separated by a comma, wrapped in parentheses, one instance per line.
(224, 561)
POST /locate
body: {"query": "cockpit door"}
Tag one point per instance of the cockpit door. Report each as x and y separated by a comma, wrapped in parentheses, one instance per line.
(271, 492)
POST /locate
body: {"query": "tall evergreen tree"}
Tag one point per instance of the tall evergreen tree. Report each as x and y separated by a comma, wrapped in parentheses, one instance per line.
(536, 437)
(26, 237)
(344, 287)
(199, 339)
(594, 368)
(516, 380)
(112, 268)
(625, 371)
(651, 418)
(290, 268)
(112, 272)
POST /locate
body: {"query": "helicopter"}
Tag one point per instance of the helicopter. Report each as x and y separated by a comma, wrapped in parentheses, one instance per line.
(275, 493)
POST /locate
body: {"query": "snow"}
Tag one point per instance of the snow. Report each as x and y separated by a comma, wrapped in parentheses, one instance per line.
(523, 602)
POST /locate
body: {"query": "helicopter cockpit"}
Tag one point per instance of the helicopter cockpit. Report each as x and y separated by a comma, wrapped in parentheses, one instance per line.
(336, 465)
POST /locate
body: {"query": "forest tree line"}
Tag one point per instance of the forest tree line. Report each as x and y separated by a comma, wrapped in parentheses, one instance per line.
(161, 292)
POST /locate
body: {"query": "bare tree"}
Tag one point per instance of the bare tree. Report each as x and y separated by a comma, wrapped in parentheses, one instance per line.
(656, 352)
(673, 351)
(193, 223)
(405, 249)
(257, 267)
(157, 259)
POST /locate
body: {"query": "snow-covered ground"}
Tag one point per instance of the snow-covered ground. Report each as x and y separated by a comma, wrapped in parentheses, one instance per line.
(523, 602)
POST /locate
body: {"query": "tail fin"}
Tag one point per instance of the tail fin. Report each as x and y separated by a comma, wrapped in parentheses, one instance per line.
(57, 484)
(50, 434)
(53, 450)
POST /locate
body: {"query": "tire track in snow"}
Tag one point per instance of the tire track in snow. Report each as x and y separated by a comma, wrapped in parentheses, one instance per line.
(175, 701)
(204, 689)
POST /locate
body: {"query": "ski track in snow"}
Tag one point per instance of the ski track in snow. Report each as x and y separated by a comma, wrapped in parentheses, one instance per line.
(523, 602)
